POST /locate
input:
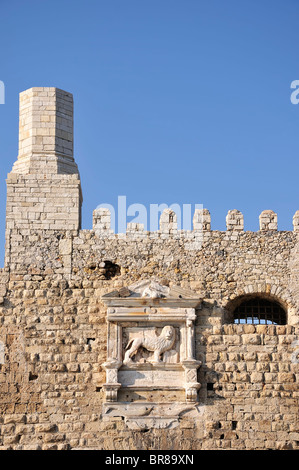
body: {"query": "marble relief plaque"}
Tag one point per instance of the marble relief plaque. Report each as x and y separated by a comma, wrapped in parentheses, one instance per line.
(150, 344)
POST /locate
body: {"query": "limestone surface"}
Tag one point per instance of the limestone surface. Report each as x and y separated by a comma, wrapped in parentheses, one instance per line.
(71, 300)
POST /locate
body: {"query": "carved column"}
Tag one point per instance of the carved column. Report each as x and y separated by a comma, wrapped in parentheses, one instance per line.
(190, 364)
(191, 384)
(114, 361)
(112, 386)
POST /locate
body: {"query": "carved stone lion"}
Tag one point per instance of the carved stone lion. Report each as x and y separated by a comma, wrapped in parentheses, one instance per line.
(158, 344)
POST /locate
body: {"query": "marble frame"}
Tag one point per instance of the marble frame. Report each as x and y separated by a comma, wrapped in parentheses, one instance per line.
(155, 309)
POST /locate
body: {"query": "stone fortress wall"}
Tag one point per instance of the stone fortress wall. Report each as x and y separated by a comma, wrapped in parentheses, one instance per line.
(54, 315)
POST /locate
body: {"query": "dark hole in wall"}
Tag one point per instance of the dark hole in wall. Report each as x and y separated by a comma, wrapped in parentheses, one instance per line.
(111, 269)
(90, 340)
(32, 376)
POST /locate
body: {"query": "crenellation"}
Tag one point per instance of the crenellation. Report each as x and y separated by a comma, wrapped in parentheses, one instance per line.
(201, 224)
(202, 220)
(296, 221)
(78, 310)
(102, 222)
(268, 220)
(135, 230)
(168, 222)
(235, 220)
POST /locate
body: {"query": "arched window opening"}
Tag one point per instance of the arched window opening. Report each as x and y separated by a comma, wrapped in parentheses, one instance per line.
(259, 311)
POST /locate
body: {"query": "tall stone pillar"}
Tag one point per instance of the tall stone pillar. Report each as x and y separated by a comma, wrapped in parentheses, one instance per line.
(43, 188)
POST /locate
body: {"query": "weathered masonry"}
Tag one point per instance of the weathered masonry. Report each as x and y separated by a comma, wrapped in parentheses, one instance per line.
(162, 340)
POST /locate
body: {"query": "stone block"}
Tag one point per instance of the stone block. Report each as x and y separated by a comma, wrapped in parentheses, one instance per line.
(268, 220)
(235, 220)
(168, 222)
(296, 221)
(202, 220)
(251, 339)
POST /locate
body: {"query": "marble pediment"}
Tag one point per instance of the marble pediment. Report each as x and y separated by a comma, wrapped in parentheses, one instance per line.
(152, 292)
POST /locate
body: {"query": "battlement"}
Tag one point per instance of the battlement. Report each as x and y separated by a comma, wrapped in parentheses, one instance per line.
(168, 224)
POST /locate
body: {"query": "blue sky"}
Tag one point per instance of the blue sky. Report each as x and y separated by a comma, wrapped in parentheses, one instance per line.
(176, 101)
